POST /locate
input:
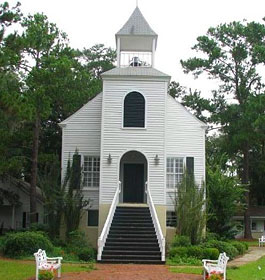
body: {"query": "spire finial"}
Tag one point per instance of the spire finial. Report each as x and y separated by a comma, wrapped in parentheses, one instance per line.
(136, 3)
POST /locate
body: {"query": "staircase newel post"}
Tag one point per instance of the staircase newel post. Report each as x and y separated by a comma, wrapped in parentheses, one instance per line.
(163, 249)
(99, 250)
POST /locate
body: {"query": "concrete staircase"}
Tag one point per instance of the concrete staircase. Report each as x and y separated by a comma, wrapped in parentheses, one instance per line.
(132, 237)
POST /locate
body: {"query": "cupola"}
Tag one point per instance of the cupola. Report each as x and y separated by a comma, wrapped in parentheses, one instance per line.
(136, 42)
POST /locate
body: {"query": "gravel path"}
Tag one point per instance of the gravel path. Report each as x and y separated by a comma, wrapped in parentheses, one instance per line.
(129, 272)
(253, 254)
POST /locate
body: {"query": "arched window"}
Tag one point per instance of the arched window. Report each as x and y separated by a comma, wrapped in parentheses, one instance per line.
(134, 110)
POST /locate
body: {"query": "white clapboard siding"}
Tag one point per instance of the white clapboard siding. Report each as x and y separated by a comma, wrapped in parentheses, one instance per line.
(185, 137)
(82, 131)
(117, 141)
(170, 198)
(93, 196)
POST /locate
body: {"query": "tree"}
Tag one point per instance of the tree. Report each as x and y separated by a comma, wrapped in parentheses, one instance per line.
(49, 180)
(8, 16)
(225, 196)
(41, 43)
(97, 60)
(190, 99)
(232, 53)
(11, 123)
(91, 63)
(190, 212)
(176, 90)
(43, 81)
(52, 78)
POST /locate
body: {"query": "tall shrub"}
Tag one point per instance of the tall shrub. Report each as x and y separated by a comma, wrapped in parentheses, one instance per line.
(74, 199)
(225, 196)
(25, 243)
(190, 212)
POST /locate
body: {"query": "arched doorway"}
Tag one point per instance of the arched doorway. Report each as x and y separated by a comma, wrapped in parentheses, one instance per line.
(133, 175)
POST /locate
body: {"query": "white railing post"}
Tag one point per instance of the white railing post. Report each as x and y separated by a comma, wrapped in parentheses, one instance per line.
(106, 228)
(159, 234)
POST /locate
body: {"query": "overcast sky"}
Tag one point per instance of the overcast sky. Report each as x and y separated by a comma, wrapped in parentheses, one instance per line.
(177, 23)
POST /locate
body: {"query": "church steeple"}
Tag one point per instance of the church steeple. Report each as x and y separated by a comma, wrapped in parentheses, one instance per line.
(136, 42)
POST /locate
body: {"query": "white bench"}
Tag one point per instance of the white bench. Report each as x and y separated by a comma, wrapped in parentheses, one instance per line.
(215, 266)
(45, 263)
(261, 240)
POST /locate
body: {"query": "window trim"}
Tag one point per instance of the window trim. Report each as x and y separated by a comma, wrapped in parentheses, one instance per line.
(145, 112)
(183, 166)
(254, 228)
(83, 172)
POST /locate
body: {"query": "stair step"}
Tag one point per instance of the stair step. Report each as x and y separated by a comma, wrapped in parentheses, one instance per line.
(132, 238)
(132, 261)
(130, 252)
(119, 216)
(130, 213)
(132, 224)
(133, 243)
(132, 257)
(138, 248)
(132, 221)
(132, 218)
(132, 229)
(132, 207)
(132, 235)
(134, 210)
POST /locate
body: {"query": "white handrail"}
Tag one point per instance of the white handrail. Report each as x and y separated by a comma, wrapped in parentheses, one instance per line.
(105, 231)
(159, 234)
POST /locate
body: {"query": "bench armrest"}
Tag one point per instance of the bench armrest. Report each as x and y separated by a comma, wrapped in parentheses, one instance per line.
(55, 258)
(209, 261)
(48, 261)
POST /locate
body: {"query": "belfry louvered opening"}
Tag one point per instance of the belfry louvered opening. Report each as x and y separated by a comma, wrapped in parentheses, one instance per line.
(134, 110)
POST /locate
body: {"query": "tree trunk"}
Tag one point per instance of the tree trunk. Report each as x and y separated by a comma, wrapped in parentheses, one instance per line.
(34, 170)
(245, 181)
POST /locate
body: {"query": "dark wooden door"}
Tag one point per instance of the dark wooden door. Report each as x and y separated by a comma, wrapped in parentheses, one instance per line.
(133, 183)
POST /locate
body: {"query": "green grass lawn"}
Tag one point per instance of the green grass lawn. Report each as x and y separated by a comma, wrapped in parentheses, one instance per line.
(250, 271)
(21, 270)
(254, 242)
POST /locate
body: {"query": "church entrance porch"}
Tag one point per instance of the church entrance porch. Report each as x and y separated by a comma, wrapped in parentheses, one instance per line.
(133, 175)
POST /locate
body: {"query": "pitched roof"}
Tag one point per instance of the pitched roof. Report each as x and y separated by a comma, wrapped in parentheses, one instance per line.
(203, 124)
(135, 71)
(93, 99)
(136, 25)
(21, 185)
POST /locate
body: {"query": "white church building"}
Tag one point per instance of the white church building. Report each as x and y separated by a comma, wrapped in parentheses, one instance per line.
(135, 141)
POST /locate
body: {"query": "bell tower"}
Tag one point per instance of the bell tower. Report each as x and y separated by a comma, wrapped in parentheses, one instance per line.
(136, 42)
(133, 122)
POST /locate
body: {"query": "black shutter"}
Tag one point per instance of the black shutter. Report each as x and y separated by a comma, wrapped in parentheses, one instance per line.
(134, 110)
(24, 220)
(76, 171)
(190, 165)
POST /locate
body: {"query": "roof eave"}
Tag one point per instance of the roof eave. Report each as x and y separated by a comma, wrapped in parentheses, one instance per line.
(139, 77)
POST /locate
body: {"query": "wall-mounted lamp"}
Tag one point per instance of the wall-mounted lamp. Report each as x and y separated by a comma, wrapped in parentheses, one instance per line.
(157, 159)
(109, 159)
